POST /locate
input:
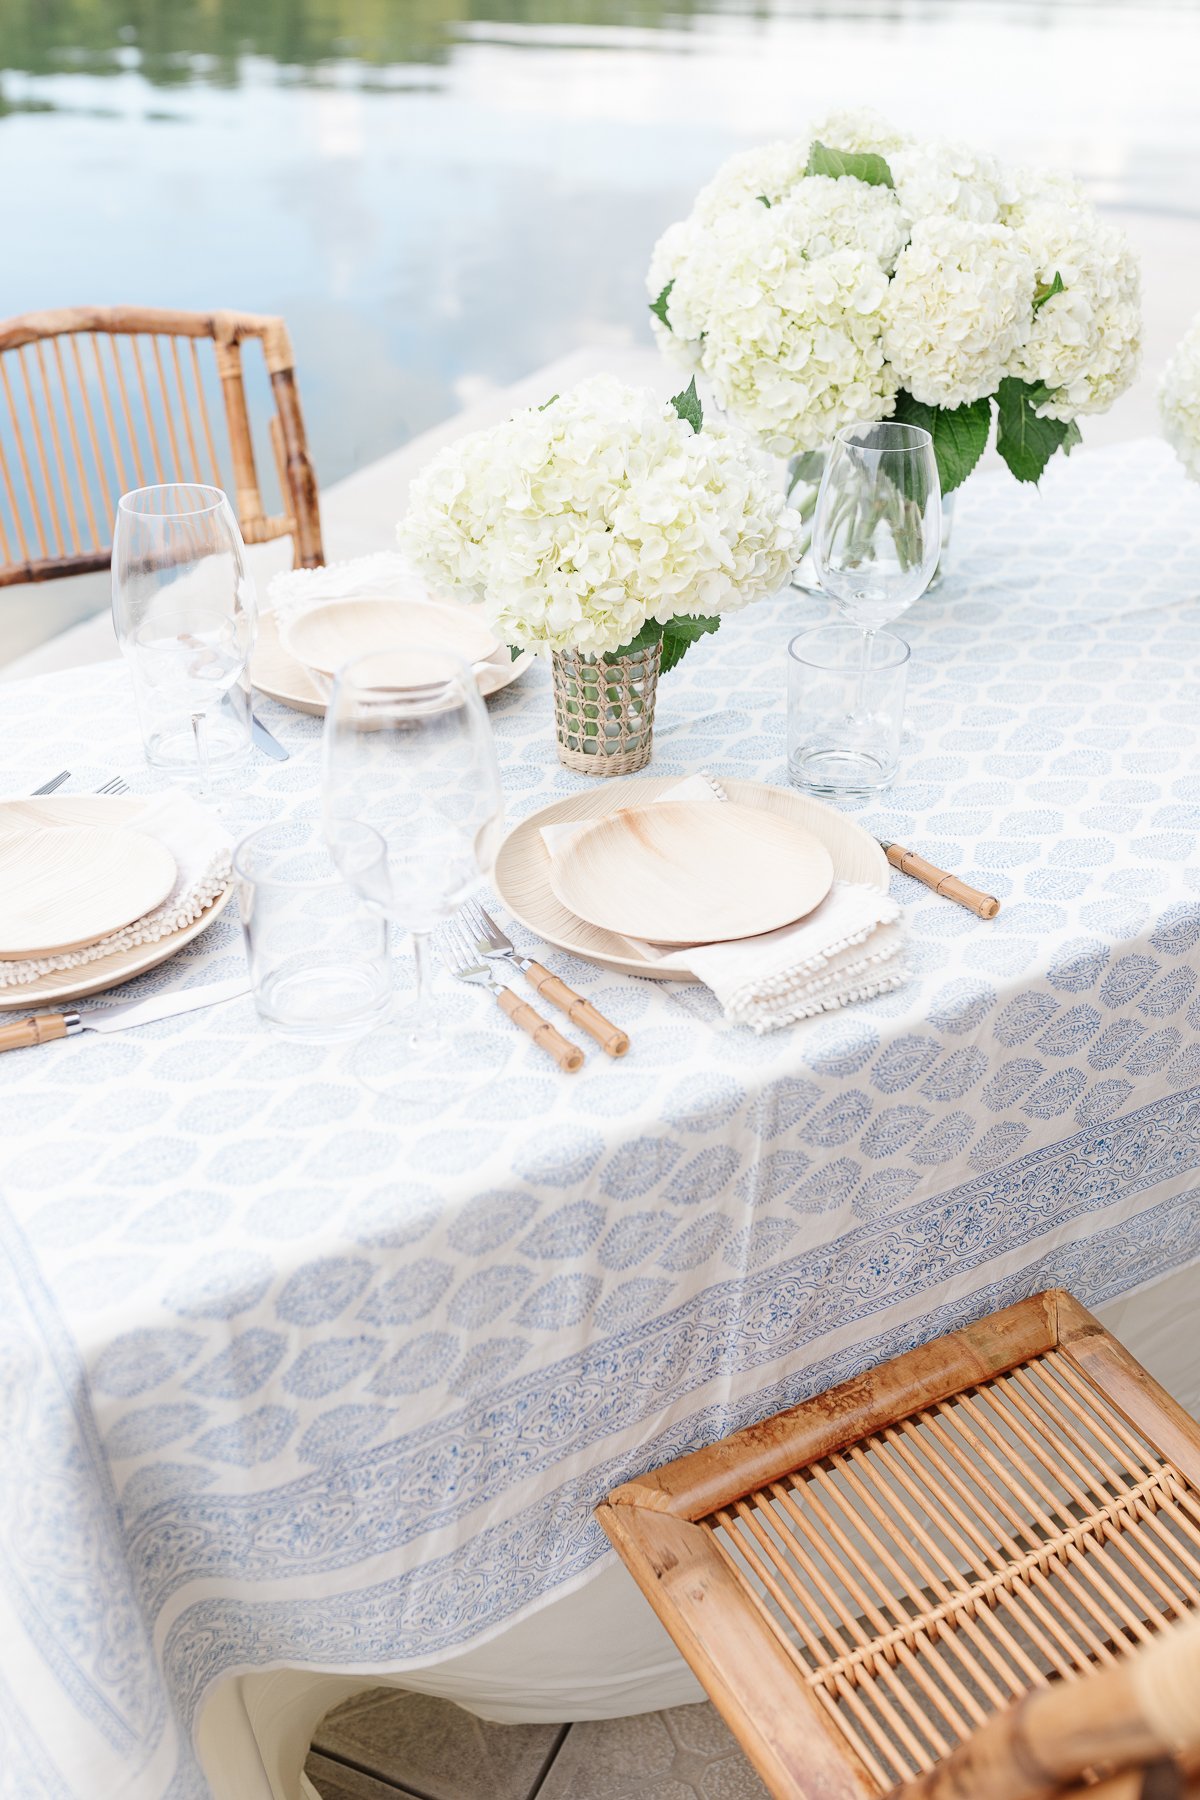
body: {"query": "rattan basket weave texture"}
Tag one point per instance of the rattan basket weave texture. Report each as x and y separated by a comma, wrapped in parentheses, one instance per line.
(604, 710)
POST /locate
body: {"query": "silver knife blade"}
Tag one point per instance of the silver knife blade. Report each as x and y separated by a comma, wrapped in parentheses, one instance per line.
(163, 1006)
(270, 746)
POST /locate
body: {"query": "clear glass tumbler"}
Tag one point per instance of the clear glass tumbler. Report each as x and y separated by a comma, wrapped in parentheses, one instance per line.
(318, 954)
(845, 716)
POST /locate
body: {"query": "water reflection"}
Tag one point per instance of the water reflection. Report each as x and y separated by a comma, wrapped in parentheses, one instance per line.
(179, 42)
(440, 194)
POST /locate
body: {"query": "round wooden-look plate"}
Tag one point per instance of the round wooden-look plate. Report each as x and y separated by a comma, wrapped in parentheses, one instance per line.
(689, 873)
(63, 885)
(108, 971)
(327, 636)
(280, 677)
(522, 873)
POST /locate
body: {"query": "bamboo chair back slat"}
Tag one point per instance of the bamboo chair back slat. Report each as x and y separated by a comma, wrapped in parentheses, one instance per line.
(96, 401)
(885, 1569)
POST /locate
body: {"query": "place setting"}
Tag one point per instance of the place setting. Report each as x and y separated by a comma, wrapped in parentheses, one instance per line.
(96, 890)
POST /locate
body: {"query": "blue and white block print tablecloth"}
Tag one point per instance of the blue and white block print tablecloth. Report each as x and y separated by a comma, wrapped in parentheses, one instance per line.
(291, 1375)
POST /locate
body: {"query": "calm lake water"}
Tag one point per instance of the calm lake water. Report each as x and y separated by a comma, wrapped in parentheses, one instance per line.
(441, 194)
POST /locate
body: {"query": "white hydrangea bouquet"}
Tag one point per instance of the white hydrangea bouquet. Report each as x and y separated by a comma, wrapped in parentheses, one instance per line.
(1179, 399)
(608, 529)
(858, 274)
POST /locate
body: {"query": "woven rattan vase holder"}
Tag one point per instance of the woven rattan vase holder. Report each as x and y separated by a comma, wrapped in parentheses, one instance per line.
(604, 710)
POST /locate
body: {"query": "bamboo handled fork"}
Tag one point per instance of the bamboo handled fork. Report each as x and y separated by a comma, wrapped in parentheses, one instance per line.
(464, 961)
(492, 944)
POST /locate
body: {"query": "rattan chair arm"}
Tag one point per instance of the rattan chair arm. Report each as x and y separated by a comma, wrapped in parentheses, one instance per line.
(696, 1485)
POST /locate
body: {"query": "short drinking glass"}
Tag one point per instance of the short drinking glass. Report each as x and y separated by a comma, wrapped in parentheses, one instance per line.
(318, 955)
(184, 613)
(844, 720)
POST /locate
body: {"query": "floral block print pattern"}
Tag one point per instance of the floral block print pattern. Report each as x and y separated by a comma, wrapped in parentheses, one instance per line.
(289, 1374)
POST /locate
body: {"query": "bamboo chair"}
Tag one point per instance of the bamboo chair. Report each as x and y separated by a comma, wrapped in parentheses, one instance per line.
(862, 1582)
(98, 400)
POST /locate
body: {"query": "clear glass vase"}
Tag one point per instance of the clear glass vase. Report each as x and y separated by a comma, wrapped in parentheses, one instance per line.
(804, 484)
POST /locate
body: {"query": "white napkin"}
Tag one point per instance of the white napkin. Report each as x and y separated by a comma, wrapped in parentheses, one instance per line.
(201, 848)
(383, 576)
(848, 948)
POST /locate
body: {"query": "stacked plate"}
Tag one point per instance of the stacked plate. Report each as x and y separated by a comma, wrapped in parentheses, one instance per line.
(295, 663)
(74, 870)
(650, 870)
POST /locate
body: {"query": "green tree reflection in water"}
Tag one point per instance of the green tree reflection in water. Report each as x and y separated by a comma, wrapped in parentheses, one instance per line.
(184, 41)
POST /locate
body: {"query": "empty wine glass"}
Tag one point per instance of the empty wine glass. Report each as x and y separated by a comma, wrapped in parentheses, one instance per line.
(185, 617)
(876, 538)
(408, 750)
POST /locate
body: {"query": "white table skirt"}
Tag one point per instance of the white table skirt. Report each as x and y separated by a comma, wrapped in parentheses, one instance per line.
(294, 1378)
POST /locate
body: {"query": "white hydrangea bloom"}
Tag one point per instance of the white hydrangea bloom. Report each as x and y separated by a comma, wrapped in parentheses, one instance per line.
(781, 305)
(1179, 399)
(958, 307)
(781, 314)
(1024, 188)
(773, 170)
(826, 214)
(573, 524)
(937, 180)
(1084, 343)
(858, 130)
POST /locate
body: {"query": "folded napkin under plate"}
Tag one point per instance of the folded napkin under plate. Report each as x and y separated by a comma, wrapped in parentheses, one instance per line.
(201, 848)
(848, 948)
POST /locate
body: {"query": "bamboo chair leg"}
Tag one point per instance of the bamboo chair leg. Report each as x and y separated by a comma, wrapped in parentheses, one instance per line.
(301, 492)
(237, 419)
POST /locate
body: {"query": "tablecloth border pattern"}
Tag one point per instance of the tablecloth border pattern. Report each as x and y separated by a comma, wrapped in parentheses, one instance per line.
(651, 1366)
(216, 1638)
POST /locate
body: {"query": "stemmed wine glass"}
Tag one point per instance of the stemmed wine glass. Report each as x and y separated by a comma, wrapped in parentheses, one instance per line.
(408, 752)
(877, 535)
(185, 616)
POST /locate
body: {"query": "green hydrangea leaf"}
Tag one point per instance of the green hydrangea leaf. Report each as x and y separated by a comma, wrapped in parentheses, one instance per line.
(688, 406)
(1046, 289)
(514, 650)
(764, 200)
(651, 633)
(864, 165)
(1024, 439)
(679, 636)
(959, 434)
(659, 307)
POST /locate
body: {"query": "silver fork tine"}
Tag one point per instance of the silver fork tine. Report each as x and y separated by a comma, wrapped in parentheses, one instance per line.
(118, 785)
(455, 948)
(485, 925)
(474, 914)
(48, 787)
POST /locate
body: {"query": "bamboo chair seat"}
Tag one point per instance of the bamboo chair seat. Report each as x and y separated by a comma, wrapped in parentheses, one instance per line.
(96, 401)
(861, 1582)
